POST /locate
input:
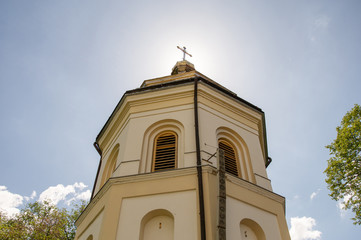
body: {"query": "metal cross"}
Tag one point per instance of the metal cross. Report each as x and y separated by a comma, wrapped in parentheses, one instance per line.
(184, 52)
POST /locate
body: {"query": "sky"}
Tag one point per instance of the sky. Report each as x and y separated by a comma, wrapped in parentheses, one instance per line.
(64, 65)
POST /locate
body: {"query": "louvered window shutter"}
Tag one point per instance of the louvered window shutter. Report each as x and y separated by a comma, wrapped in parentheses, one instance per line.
(230, 157)
(165, 151)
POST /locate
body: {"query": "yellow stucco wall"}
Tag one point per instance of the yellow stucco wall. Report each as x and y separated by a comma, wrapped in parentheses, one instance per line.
(120, 203)
(117, 210)
(140, 112)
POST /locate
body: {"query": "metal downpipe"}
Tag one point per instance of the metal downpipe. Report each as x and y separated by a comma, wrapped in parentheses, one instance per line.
(199, 163)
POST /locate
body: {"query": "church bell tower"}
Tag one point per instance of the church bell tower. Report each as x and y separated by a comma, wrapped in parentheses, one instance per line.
(183, 158)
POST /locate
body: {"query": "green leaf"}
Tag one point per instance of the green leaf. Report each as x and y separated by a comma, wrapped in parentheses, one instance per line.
(343, 173)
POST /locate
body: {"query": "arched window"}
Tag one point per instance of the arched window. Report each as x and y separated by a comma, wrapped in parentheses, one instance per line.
(229, 157)
(165, 151)
(154, 134)
(110, 164)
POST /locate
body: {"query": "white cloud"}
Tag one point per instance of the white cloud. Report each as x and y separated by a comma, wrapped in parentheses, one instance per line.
(56, 194)
(84, 195)
(319, 26)
(341, 205)
(80, 196)
(9, 201)
(69, 193)
(322, 21)
(80, 185)
(314, 194)
(32, 196)
(302, 229)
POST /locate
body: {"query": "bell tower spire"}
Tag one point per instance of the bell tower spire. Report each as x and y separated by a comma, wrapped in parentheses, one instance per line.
(183, 66)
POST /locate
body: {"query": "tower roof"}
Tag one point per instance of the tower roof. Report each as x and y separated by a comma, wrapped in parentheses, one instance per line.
(182, 70)
(182, 73)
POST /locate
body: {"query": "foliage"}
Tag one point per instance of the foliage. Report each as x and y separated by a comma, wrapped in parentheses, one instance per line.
(42, 221)
(344, 166)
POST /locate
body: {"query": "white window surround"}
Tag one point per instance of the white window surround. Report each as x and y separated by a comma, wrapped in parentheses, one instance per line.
(148, 142)
(241, 149)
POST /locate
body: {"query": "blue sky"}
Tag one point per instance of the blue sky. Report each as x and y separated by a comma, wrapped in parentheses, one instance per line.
(64, 65)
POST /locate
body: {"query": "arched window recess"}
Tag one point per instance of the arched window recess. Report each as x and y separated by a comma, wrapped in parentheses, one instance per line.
(110, 165)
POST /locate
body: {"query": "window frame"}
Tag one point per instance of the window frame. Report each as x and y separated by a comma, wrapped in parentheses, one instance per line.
(236, 158)
(155, 148)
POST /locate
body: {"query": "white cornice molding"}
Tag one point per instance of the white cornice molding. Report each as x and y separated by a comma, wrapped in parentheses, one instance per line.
(133, 179)
(173, 174)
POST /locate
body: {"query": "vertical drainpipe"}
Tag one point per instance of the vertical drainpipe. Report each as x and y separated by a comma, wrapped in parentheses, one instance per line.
(199, 163)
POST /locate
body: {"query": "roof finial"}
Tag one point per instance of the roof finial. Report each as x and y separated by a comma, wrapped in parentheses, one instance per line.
(184, 52)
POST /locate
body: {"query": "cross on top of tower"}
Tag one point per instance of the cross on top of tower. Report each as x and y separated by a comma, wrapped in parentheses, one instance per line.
(184, 52)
